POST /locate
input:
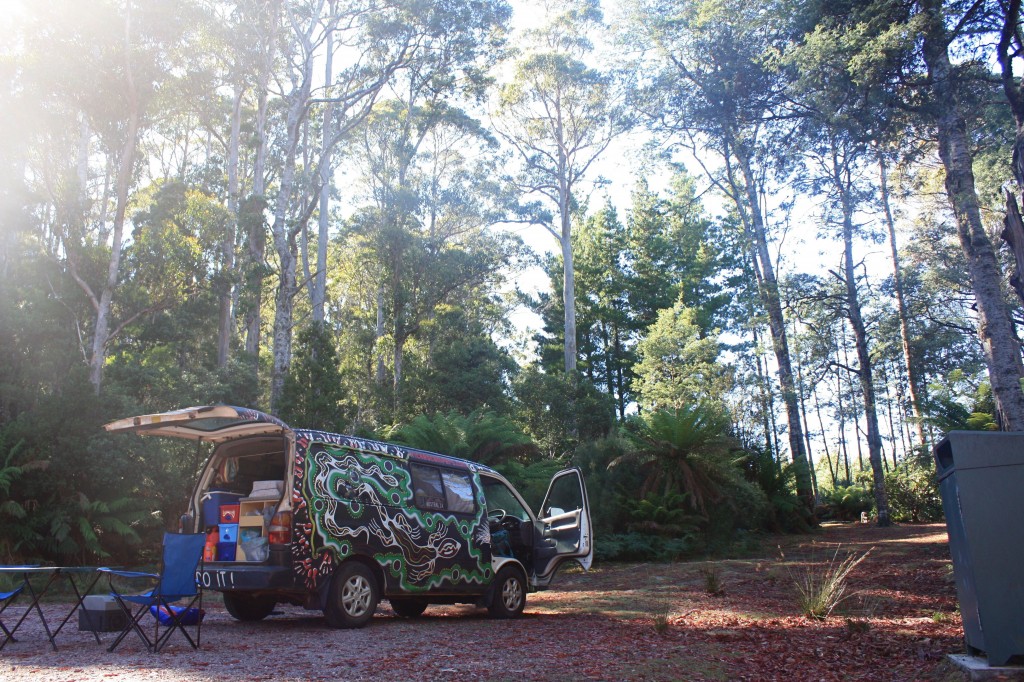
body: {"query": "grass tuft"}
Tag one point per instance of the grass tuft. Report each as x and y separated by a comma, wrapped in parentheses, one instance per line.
(712, 580)
(822, 589)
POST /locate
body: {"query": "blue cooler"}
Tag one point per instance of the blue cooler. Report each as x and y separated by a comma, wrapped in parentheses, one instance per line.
(212, 502)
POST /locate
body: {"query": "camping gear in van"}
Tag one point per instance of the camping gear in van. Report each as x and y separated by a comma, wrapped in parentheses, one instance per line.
(212, 501)
(210, 548)
(266, 489)
(225, 551)
(229, 513)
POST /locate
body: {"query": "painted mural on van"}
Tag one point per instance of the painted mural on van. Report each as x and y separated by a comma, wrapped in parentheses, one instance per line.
(356, 497)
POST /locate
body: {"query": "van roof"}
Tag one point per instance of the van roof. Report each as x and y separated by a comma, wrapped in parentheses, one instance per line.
(220, 423)
(391, 449)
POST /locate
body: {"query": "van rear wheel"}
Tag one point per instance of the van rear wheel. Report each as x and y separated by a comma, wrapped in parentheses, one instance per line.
(509, 597)
(353, 596)
(248, 607)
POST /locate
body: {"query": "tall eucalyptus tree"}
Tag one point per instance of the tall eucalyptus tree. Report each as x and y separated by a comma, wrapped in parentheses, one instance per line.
(559, 115)
(713, 88)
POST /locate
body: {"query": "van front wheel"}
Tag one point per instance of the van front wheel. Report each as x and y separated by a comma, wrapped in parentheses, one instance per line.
(352, 598)
(509, 597)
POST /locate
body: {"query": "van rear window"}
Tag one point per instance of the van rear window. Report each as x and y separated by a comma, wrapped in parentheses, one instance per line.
(442, 489)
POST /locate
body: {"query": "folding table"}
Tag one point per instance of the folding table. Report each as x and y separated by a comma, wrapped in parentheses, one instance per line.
(80, 595)
(25, 573)
(81, 589)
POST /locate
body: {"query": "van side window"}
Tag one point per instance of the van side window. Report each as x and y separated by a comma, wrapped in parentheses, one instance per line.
(426, 482)
(460, 491)
(442, 489)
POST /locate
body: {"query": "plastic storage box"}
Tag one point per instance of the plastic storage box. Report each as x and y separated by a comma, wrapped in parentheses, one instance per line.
(229, 513)
(101, 614)
(212, 501)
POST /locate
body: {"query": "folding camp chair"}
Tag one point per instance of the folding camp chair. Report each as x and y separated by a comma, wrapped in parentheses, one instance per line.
(175, 582)
(7, 598)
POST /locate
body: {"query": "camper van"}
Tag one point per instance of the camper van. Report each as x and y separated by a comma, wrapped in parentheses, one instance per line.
(337, 523)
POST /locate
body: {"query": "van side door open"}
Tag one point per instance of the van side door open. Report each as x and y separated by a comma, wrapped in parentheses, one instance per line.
(564, 526)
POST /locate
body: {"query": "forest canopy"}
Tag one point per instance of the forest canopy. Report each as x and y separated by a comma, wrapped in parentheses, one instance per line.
(770, 251)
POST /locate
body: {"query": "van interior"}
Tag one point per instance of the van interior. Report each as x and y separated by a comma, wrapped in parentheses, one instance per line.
(241, 500)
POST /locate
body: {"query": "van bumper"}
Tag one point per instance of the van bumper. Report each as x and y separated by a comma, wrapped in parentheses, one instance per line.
(229, 576)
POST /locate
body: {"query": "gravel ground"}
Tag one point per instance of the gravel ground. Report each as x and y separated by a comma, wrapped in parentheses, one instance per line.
(448, 642)
(656, 622)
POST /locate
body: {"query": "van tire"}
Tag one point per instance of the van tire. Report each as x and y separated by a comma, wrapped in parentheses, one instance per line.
(353, 596)
(248, 607)
(408, 607)
(508, 598)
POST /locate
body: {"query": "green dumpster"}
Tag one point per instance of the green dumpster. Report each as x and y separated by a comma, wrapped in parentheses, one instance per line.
(981, 479)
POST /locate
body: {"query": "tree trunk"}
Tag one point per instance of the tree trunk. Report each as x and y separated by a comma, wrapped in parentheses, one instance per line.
(1000, 344)
(126, 164)
(256, 242)
(867, 385)
(284, 242)
(225, 321)
(833, 471)
(318, 287)
(901, 309)
(771, 300)
(378, 335)
(568, 285)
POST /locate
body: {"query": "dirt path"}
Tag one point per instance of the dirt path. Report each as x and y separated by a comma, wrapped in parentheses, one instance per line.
(635, 621)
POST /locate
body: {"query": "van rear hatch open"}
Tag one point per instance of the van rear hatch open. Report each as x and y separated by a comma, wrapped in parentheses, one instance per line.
(249, 447)
(211, 424)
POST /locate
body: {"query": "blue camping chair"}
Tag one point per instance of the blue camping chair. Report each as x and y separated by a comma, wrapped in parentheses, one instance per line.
(175, 582)
(7, 598)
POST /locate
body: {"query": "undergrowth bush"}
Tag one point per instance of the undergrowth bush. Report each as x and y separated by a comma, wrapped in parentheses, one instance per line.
(914, 492)
(846, 502)
(640, 547)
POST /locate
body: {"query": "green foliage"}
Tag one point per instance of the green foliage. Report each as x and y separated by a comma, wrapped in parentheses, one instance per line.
(679, 364)
(666, 515)
(86, 530)
(786, 513)
(913, 492)
(846, 502)
(640, 547)
(532, 479)
(14, 532)
(685, 449)
(616, 488)
(560, 410)
(481, 436)
(313, 391)
(955, 405)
